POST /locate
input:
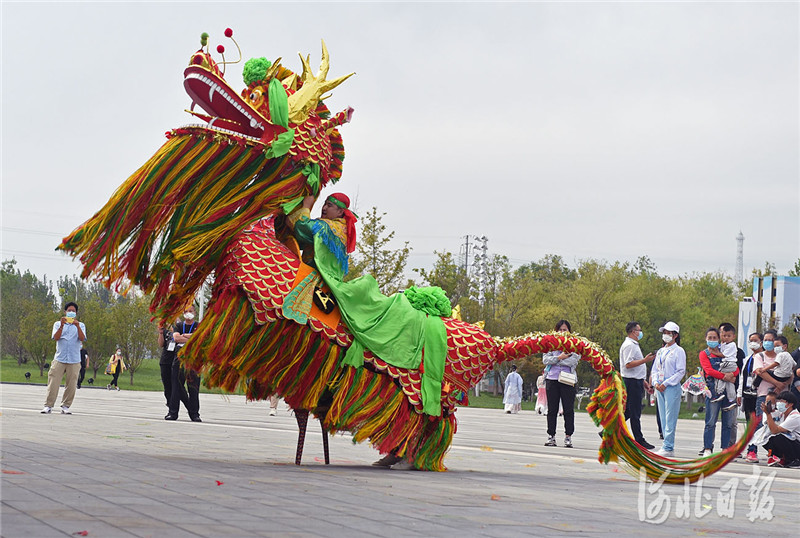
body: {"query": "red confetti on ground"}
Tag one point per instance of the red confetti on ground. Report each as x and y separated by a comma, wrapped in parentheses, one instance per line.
(495, 497)
(81, 533)
(7, 471)
(220, 482)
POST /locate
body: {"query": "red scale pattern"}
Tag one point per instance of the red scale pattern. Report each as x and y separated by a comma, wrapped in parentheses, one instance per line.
(266, 269)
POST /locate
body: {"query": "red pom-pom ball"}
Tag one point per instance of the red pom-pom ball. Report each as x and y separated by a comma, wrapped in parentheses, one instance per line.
(228, 32)
(220, 49)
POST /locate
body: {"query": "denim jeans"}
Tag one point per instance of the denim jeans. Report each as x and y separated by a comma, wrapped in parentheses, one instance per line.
(760, 400)
(669, 405)
(713, 410)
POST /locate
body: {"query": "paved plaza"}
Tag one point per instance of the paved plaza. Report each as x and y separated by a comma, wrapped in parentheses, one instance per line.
(117, 468)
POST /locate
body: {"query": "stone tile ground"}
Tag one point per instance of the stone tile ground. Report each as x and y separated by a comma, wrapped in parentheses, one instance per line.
(117, 468)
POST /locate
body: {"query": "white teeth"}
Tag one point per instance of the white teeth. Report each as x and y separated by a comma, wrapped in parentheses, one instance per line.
(253, 123)
(211, 89)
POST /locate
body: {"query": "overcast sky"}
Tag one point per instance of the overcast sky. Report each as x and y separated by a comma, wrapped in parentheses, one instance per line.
(587, 130)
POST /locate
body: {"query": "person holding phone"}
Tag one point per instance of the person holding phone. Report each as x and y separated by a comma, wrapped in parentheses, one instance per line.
(69, 334)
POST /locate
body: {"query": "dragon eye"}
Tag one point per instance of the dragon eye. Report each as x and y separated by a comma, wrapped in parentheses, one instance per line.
(254, 96)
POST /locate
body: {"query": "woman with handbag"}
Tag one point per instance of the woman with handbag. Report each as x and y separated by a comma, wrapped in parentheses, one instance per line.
(560, 381)
(115, 366)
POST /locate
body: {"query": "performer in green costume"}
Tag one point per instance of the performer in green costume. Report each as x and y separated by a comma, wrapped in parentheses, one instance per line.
(390, 327)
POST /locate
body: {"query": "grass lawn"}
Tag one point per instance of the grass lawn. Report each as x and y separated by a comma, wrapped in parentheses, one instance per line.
(148, 377)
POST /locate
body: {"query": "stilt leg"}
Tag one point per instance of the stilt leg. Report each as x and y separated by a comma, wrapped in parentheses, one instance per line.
(301, 415)
(325, 443)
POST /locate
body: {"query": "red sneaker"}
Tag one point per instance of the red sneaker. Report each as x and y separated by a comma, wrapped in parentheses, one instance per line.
(774, 461)
(751, 457)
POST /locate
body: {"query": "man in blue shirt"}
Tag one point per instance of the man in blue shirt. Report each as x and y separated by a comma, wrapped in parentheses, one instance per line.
(69, 334)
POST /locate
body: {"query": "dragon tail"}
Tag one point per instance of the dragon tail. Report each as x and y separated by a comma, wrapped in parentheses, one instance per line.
(607, 409)
(166, 227)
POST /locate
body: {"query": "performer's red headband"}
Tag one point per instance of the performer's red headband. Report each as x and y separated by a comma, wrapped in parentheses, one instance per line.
(341, 200)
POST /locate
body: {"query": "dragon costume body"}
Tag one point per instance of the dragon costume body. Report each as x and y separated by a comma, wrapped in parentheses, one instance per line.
(212, 202)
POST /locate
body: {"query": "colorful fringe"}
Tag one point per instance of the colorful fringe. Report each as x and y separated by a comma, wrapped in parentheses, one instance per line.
(607, 409)
(192, 197)
(373, 407)
(285, 358)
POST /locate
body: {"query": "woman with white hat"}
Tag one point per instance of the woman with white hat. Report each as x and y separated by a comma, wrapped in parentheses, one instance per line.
(666, 375)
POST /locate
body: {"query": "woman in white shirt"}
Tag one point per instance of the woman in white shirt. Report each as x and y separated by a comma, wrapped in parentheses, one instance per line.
(666, 375)
(785, 439)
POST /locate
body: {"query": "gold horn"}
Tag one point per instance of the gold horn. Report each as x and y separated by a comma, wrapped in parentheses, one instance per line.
(304, 100)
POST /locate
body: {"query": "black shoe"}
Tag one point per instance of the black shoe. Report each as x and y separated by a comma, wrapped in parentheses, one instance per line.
(646, 445)
(661, 436)
(171, 417)
(196, 418)
(79, 386)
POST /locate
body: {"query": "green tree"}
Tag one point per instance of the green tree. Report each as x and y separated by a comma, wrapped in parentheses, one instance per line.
(795, 270)
(22, 294)
(133, 330)
(37, 324)
(374, 256)
(449, 276)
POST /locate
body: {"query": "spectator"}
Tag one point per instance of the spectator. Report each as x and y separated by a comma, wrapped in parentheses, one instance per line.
(795, 389)
(713, 361)
(541, 395)
(559, 366)
(273, 405)
(780, 371)
(84, 361)
(633, 368)
(668, 370)
(168, 347)
(69, 334)
(116, 365)
(759, 360)
(784, 441)
(512, 395)
(724, 390)
(185, 383)
(746, 393)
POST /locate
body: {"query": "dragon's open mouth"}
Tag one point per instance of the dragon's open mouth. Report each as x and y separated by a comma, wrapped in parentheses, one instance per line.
(226, 109)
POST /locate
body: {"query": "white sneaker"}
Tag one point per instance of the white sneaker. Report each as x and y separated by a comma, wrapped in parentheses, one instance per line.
(272, 412)
(665, 453)
(46, 410)
(403, 466)
(706, 453)
(65, 410)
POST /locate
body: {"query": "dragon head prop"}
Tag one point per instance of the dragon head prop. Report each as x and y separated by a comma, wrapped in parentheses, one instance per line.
(256, 152)
(278, 109)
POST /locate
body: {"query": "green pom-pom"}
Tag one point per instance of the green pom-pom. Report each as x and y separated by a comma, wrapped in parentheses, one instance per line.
(203, 39)
(255, 69)
(431, 300)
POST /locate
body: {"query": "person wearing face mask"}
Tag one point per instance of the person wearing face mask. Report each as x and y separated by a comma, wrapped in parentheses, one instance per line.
(633, 368)
(714, 365)
(746, 393)
(764, 386)
(784, 440)
(779, 371)
(666, 375)
(69, 334)
(185, 383)
(115, 367)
